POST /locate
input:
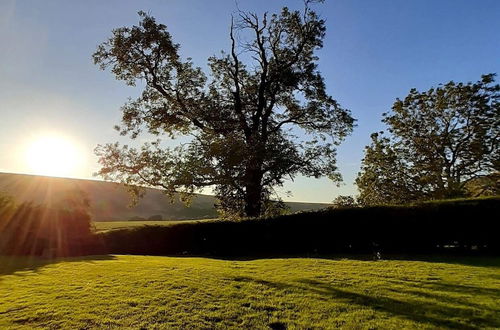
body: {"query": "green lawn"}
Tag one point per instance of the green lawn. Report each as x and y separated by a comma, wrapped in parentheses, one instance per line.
(169, 292)
(101, 226)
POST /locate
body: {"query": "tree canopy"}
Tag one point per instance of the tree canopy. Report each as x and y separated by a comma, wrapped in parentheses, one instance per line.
(440, 142)
(261, 115)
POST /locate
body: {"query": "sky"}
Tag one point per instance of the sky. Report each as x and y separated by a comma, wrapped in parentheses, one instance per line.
(374, 52)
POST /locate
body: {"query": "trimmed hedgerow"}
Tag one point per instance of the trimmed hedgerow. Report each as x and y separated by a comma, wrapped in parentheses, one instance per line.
(464, 226)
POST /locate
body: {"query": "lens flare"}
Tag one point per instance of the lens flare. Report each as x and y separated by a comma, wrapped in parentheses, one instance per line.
(53, 156)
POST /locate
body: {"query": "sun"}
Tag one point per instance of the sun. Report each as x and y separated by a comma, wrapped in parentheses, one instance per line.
(53, 156)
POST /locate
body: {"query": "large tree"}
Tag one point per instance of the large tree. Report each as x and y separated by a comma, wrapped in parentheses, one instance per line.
(261, 115)
(440, 141)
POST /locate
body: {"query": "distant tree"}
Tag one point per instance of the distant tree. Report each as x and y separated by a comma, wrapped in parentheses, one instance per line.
(272, 208)
(344, 201)
(385, 178)
(487, 185)
(440, 140)
(136, 218)
(73, 199)
(263, 115)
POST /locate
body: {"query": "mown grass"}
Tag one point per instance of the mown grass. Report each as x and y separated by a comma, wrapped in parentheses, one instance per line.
(175, 292)
(102, 226)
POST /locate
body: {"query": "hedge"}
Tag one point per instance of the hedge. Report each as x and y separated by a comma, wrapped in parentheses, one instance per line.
(459, 226)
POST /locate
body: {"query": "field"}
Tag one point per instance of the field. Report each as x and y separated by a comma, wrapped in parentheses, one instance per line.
(176, 292)
(101, 226)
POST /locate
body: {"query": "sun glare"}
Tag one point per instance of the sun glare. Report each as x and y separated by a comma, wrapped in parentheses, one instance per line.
(53, 156)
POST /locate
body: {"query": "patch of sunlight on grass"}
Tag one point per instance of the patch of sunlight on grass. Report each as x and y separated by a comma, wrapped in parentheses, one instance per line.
(169, 292)
(101, 226)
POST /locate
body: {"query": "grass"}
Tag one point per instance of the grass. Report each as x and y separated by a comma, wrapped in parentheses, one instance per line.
(102, 226)
(174, 292)
(459, 200)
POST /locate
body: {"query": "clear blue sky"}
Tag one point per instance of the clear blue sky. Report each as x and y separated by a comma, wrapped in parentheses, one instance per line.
(374, 52)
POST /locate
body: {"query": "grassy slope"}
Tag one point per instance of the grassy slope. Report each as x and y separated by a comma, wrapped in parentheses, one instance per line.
(110, 201)
(135, 291)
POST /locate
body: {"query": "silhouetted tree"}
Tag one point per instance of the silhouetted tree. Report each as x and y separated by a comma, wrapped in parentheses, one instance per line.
(263, 115)
(29, 229)
(440, 140)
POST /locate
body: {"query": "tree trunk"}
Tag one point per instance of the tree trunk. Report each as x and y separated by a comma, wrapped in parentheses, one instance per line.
(253, 193)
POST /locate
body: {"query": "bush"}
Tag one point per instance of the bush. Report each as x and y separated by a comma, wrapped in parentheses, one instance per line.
(463, 226)
(344, 201)
(42, 231)
(6, 202)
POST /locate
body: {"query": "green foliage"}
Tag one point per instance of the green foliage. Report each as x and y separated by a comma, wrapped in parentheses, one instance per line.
(384, 177)
(296, 293)
(487, 185)
(342, 201)
(443, 143)
(244, 118)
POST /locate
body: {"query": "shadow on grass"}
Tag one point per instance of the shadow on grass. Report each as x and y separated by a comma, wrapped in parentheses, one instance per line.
(443, 313)
(441, 296)
(448, 287)
(12, 264)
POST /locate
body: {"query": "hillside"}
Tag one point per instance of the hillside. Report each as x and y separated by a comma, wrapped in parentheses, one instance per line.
(110, 201)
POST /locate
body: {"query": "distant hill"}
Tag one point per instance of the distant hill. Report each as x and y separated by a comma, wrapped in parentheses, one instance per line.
(110, 201)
